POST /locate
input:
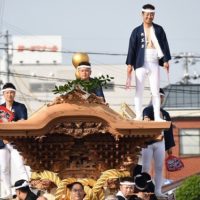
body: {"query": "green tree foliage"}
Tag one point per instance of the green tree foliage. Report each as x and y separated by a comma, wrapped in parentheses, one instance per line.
(88, 86)
(190, 189)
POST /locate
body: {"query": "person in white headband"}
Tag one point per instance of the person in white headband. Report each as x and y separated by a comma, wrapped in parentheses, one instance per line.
(9, 156)
(84, 72)
(148, 49)
(21, 184)
(126, 188)
(148, 10)
(23, 191)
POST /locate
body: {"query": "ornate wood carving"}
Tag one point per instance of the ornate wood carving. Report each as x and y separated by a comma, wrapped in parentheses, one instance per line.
(79, 129)
(83, 157)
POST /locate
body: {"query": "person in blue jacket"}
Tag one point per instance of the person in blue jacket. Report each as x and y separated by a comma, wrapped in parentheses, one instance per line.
(148, 48)
(8, 154)
(84, 70)
(156, 148)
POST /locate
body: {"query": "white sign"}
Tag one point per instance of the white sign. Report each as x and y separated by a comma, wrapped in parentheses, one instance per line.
(36, 50)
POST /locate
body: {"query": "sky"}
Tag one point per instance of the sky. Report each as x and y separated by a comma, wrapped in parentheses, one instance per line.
(104, 26)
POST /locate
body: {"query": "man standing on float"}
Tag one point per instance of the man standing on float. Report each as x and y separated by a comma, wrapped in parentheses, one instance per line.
(8, 154)
(148, 48)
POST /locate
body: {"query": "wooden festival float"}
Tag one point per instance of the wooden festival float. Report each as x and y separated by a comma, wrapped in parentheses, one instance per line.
(79, 138)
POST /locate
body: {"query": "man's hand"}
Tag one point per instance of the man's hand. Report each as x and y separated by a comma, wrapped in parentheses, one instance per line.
(129, 74)
(169, 151)
(5, 141)
(129, 70)
(166, 66)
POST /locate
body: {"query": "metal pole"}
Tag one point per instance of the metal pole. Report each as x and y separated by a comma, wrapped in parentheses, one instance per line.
(186, 75)
(7, 57)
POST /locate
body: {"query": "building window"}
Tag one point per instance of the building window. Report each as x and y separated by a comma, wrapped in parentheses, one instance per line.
(190, 141)
(182, 96)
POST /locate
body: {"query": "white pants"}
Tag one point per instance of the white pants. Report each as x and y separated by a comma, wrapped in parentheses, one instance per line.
(155, 151)
(5, 172)
(12, 168)
(152, 69)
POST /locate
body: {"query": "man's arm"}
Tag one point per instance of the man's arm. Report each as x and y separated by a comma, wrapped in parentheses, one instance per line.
(24, 114)
(99, 93)
(169, 137)
(21, 112)
(131, 56)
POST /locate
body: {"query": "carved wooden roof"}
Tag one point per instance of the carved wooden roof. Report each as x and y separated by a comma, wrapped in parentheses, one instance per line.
(79, 138)
(79, 120)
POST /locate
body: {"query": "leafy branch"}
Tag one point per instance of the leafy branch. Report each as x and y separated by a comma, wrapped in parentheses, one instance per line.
(87, 85)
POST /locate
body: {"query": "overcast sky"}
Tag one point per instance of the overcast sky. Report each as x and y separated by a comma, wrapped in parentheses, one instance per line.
(103, 25)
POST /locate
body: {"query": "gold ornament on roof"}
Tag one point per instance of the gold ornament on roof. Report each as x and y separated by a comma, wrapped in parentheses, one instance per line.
(79, 58)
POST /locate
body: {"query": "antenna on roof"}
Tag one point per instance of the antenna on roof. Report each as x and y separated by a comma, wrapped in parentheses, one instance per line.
(188, 59)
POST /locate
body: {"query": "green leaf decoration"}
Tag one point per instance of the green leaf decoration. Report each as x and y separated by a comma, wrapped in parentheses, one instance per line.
(88, 86)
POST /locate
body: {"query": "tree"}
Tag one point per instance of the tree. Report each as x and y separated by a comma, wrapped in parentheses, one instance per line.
(190, 189)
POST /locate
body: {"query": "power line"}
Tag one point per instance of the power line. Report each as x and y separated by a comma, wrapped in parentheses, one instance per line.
(64, 51)
(111, 85)
(174, 56)
(14, 74)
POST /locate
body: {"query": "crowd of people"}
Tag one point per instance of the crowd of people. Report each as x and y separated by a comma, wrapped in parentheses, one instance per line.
(148, 48)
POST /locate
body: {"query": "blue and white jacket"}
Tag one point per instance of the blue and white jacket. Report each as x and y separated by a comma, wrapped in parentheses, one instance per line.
(136, 51)
(20, 113)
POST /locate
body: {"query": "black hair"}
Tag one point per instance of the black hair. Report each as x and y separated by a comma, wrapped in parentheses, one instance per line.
(9, 85)
(161, 91)
(25, 189)
(148, 6)
(141, 182)
(70, 186)
(84, 63)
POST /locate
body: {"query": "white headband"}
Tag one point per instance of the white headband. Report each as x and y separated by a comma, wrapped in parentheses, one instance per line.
(83, 66)
(161, 94)
(8, 89)
(148, 10)
(127, 183)
(140, 188)
(25, 184)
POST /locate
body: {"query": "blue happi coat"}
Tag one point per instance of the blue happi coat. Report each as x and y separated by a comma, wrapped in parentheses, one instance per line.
(137, 43)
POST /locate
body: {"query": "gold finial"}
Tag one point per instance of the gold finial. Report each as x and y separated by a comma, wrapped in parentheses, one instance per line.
(78, 58)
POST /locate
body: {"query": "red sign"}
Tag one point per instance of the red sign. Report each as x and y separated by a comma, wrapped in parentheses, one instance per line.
(53, 48)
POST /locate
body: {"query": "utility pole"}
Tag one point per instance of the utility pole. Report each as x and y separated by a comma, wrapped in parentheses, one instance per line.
(7, 57)
(187, 59)
(186, 74)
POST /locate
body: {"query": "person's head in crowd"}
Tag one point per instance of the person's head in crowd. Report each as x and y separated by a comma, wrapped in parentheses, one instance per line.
(22, 189)
(9, 91)
(143, 183)
(150, 184)
(148, 13)
(162, 96)
(76, 191)
(140, 182)
(84, 70)
(126, 186)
